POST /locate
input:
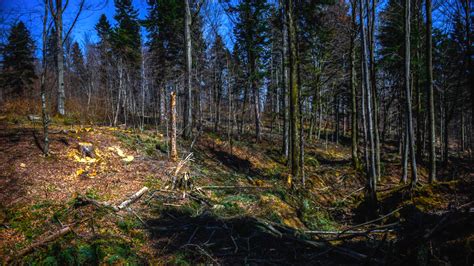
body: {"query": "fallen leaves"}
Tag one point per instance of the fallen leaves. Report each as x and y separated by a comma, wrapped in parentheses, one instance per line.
(120, 153)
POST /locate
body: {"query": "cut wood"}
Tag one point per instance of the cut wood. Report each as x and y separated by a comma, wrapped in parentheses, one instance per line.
(234, 187)
(133, 198)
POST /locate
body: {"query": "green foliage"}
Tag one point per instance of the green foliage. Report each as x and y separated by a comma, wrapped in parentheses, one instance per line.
(314, 218)
(179, 259)
(126, 38)
(127, 224)
(92, 193)
(18, 70)
(147, 144)
(111, 251)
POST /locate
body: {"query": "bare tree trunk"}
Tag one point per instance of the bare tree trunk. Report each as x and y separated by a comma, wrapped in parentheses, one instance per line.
(372, 171)
(431, 107)
(60, 56)
(371, 37)
(354, 126)
(293, 90)
(409, 118)
(173, 150)
(44, 111)
(284, 91)
(188, 115)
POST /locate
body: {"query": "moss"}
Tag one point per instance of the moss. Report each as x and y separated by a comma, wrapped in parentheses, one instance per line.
(92, 193)
(179, 259)
(149, 145)
(127, 224)
(152, 182)
(314, 218)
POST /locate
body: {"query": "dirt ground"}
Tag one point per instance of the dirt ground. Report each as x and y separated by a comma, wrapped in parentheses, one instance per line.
(236, 205)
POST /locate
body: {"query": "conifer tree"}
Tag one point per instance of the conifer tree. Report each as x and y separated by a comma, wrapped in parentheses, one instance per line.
(18, 71)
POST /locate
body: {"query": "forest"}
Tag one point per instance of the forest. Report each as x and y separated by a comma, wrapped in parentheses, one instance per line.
(236, 132)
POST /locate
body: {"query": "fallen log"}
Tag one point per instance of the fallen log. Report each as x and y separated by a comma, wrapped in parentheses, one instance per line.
(234, 187)
(350, 232)
(42, 242)
(133, 198)
(108, 205)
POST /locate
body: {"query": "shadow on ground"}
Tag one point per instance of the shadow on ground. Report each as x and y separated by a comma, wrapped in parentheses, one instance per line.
(236, 241)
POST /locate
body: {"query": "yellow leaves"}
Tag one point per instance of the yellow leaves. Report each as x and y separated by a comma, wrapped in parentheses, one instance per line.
(79, 172)
(120, 153)
(85, 173)
(22, 165)
(84, 160)
(289, 180)
(85, 144)
(75, 156)
(259, 183)
(128, 159)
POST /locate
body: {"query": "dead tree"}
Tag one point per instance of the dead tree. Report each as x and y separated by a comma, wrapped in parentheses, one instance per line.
(173, 150)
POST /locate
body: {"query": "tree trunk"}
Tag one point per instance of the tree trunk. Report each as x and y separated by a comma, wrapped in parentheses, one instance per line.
(58, 19)
(44, 111)
(409, 117)
(431, 107)
(354, 126)
(373, 87)
(188, 115)
(173, 149)
(365, 71)
(293, 89)
(284, 88)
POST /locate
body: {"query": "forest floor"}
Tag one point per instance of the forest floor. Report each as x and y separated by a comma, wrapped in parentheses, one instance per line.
(230, 204)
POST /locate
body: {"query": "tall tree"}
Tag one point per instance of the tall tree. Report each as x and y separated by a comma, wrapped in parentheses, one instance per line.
(293, 63)
(251, 36)
(188, 115)
(429, 87)
(18, 70)
(408, 108)
(371, 184)
(57, 9)
(354, 124)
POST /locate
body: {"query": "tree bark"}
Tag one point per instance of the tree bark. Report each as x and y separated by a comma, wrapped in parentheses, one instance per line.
(58, 21)
(354, 126)
(188, 115)
(284, 88)
(173, 149)
(44, 110)
(365, 70)
(409, 117)
(431, 107)
(293, 89)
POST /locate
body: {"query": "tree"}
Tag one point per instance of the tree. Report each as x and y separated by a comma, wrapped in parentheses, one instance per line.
(126, 38)
(188, 115)
(429, 87)
(44, 111)
(18, 70)
(408, 108)
(354, 124)
(251, 36)
(57, 9)
(293, 89)
(370, 160)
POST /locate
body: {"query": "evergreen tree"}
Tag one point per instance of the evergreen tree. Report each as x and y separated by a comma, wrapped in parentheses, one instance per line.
(251, 32)
(18, 71)
(103, 29)
(77, 59)
(126, 38)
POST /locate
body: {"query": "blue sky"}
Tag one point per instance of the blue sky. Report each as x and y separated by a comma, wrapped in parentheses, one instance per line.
(31, 11)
